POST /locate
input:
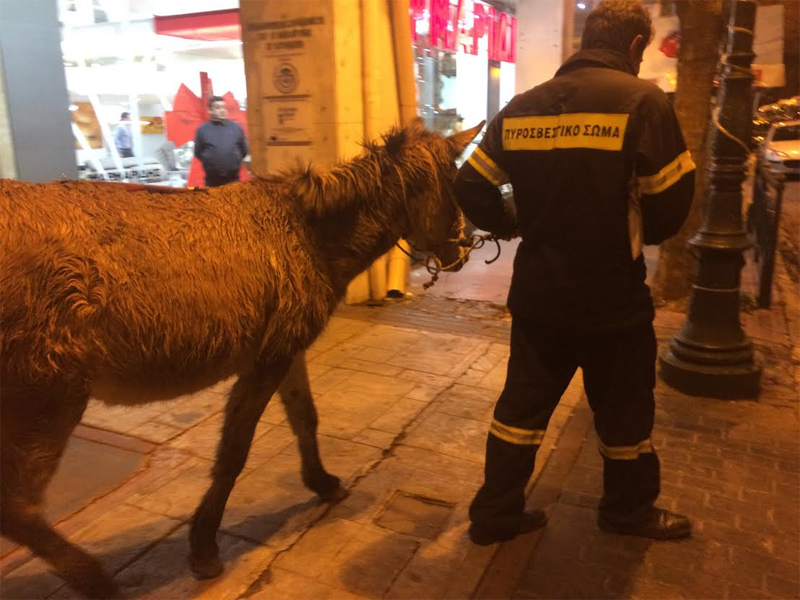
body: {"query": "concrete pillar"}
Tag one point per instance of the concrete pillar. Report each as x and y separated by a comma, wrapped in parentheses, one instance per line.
(544, 38)
(381, 112)
(321, 77)
(36, 142)
(303, 69)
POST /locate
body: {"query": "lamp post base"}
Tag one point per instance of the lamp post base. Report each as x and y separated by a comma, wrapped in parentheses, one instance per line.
(725, 381)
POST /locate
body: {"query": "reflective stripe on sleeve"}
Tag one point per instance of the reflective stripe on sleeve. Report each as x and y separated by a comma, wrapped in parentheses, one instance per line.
(635, 225)
(487, 168)
(515, 435)
(626, 452)
(669, 175)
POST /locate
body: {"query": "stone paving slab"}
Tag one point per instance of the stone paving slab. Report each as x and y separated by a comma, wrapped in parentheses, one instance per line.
(451, 436)
(178, 493)
(359, 558)
(369, 500)
(281, 583)
(345, 412)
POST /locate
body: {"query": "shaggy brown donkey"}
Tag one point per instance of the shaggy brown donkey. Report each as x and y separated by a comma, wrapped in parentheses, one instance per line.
(136, 296)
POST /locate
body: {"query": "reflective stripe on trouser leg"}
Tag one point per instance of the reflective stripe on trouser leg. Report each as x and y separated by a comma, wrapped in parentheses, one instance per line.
(516, 435)
(619, 377)
(631, 481)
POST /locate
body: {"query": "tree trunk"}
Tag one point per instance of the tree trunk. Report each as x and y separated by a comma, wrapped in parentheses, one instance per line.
(701, 26)
(791, 43)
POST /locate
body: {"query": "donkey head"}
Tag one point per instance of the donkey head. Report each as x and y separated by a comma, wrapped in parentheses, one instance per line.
(411, 172)
(436, 223)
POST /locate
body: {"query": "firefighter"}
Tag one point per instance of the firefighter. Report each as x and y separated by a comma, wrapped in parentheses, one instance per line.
(598, 167)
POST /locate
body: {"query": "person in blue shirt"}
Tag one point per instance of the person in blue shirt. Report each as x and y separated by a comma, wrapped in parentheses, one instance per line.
(123, 139)
(220, 145)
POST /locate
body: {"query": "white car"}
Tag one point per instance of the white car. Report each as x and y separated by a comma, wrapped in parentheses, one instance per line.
(781, 149)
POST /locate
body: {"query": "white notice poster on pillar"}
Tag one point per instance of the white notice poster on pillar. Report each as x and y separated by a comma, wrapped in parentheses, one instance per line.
(286, 47)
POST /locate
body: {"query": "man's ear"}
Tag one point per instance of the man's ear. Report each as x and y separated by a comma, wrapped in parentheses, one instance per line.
(636, 49)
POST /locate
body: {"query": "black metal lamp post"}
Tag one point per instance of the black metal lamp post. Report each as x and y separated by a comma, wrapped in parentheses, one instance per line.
(711, 356)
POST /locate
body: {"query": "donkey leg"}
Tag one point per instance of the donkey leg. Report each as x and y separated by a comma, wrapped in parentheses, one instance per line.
(80, 570)
(248, 398)
(36, 424)
(295, 393)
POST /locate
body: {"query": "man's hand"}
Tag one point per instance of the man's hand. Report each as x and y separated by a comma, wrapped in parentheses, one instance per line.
(507, 237)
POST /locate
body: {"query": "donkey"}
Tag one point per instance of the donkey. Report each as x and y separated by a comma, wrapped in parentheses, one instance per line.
(137, 296)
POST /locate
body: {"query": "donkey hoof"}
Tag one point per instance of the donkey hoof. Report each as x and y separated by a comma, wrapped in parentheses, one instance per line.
(327, 486)
(334, 495)
(206, 568)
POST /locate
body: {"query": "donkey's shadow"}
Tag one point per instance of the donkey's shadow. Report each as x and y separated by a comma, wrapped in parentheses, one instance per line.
(159, 569)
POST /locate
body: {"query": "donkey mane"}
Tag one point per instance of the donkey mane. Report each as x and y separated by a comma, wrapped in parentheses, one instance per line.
(394, 166)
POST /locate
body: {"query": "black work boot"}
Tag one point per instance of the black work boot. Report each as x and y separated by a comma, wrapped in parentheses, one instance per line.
(531, 521)
(659, 524)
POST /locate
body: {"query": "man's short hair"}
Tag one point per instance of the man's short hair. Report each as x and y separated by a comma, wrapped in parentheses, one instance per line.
(614, 24)
(215, 99)
(125, 115)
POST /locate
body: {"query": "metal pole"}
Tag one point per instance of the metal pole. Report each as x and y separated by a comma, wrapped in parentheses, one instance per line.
(711, 356)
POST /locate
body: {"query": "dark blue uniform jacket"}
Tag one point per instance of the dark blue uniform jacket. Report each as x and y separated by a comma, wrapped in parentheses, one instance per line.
(598, 168)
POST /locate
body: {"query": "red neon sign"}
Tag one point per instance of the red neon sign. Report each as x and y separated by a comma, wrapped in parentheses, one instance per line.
(448, 29)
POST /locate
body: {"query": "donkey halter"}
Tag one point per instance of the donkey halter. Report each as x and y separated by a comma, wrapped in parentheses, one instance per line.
(432, 263)
(434, 266)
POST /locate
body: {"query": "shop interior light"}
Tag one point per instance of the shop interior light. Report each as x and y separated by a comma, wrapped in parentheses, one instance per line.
(422, 27)
(581, 5)
(73, 107)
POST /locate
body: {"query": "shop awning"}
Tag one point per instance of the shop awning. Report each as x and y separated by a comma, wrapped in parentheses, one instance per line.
(210, 26)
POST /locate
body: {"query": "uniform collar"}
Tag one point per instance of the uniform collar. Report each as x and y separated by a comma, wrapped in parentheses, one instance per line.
(609, 59)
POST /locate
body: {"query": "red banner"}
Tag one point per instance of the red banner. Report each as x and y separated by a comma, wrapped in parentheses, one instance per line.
(463, 25)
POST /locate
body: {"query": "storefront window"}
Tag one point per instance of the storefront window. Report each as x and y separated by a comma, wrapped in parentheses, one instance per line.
(139, 73)
(464, 54)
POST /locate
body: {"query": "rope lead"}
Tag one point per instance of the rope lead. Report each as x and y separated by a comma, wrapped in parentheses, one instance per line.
(474, 242)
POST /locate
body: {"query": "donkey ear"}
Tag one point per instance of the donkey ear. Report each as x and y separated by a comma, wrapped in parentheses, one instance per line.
(460, 140)
(417, 125)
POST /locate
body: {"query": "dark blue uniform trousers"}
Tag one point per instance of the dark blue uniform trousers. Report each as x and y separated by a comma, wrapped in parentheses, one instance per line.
(619, 377)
